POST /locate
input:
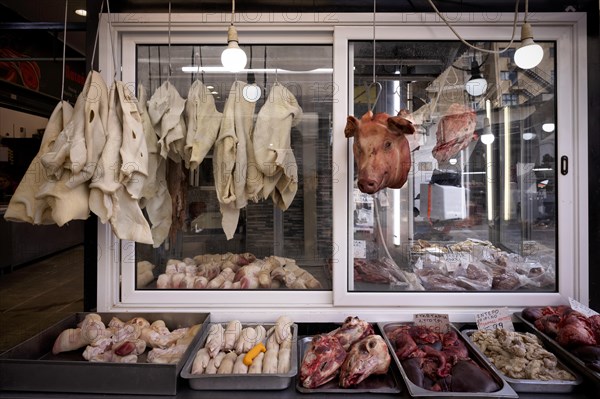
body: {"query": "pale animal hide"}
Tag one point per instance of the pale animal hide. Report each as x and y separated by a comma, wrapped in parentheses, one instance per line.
(203, 121)
(134, 152)
(23, 205)
(155, 195)
(166, 113)
(272, 145)
(237, 115)
(109, 198)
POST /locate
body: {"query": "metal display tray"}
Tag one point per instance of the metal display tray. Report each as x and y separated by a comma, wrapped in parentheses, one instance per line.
(31, 366)
(561, 352)
(240, 381)
(528, 385)
(385, 383)
(414, 390)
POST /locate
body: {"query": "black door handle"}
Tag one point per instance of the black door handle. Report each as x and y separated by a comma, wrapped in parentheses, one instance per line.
(564, 165)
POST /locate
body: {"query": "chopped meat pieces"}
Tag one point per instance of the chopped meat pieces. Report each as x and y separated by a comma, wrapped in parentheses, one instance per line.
(519, 355)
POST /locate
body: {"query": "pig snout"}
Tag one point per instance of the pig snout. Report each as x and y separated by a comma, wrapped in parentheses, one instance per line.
(367, 185)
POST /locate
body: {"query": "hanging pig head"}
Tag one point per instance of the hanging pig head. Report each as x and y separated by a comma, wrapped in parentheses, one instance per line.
(381, 150)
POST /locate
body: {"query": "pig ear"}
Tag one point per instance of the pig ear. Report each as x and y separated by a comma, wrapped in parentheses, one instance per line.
(351, 127)
(400, 125)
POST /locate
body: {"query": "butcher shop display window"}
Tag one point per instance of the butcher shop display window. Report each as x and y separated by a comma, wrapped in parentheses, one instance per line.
(454, 171)
(241, 166)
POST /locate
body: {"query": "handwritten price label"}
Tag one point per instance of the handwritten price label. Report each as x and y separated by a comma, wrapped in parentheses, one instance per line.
(436, 322)
(581, 308)
(493, 319)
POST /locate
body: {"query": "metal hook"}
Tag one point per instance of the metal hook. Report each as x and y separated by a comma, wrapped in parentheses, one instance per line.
(377, 94)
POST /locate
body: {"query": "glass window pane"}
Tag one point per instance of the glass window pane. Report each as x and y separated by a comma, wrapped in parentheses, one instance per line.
(478, 209)
(270, 248)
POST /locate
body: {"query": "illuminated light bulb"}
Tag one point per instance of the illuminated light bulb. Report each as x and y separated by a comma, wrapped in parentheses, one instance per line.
(477, 85)
(548, 127)
(81, 12)
(487, 137)
(528, 136)
(529, 54)
(233, 57)
(452, 161)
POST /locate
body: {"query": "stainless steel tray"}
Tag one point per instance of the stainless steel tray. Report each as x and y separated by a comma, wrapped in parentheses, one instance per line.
(536, 386)
(414, 390)
(31, 366)
(561, 352)
(385, 383)
(240, 381)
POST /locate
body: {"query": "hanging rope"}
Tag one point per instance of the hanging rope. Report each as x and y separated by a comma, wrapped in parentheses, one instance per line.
(97, 33)
(62, 89)
(512, 38)
(169, 45)
(110, 34)
(374, 83)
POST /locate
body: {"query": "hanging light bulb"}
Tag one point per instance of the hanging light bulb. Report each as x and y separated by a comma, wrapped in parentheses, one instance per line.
(233, 57)
(530, 54)
(487, 137)
(528, 136)
(477, 85)
(548, 127)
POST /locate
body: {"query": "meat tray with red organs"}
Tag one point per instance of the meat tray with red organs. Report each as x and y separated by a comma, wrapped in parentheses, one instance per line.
(575, 336)
(437, 364)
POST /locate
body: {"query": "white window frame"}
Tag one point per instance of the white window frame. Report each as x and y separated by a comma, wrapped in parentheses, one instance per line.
(116, 271)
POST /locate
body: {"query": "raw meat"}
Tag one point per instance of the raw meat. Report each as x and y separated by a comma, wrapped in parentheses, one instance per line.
(381, 150)
(352, 330)
(322, 361)
(455, 132)
(366, 357)
(438, 362)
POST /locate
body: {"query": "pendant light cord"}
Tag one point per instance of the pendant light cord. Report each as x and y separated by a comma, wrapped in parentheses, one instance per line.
(512, 38)
(232, 11)
(62, 89)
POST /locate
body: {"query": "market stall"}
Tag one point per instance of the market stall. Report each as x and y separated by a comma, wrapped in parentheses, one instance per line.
(352, 169)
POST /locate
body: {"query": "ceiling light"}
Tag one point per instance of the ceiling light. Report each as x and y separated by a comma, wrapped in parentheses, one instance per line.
(81, 12)
(548, 127)
(477, 85)
(452, 161)
(528, 136)
(487, 137)
(529, 54)
(233, 57)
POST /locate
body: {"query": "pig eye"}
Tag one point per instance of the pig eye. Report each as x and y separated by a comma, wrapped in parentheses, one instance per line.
(387, 145)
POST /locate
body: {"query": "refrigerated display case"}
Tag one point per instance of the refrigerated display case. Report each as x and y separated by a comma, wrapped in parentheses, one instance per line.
(476, 225)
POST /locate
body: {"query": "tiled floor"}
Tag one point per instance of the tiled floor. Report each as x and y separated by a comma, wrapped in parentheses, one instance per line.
(38, 295)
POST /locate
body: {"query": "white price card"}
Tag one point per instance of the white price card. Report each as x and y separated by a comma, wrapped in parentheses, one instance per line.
(436, 322)
(493, 319)
(581, 308)
(360, 249)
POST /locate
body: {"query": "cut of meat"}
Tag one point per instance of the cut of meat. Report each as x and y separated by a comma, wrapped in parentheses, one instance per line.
(455, 132)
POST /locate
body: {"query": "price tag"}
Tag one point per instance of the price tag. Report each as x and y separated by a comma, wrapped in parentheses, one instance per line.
(454, 260)
(493, 319)
(360, 249)
(436, 322)
(581, 308)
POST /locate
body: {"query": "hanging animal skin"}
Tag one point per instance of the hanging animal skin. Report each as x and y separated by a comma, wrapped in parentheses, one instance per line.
(381, 150)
